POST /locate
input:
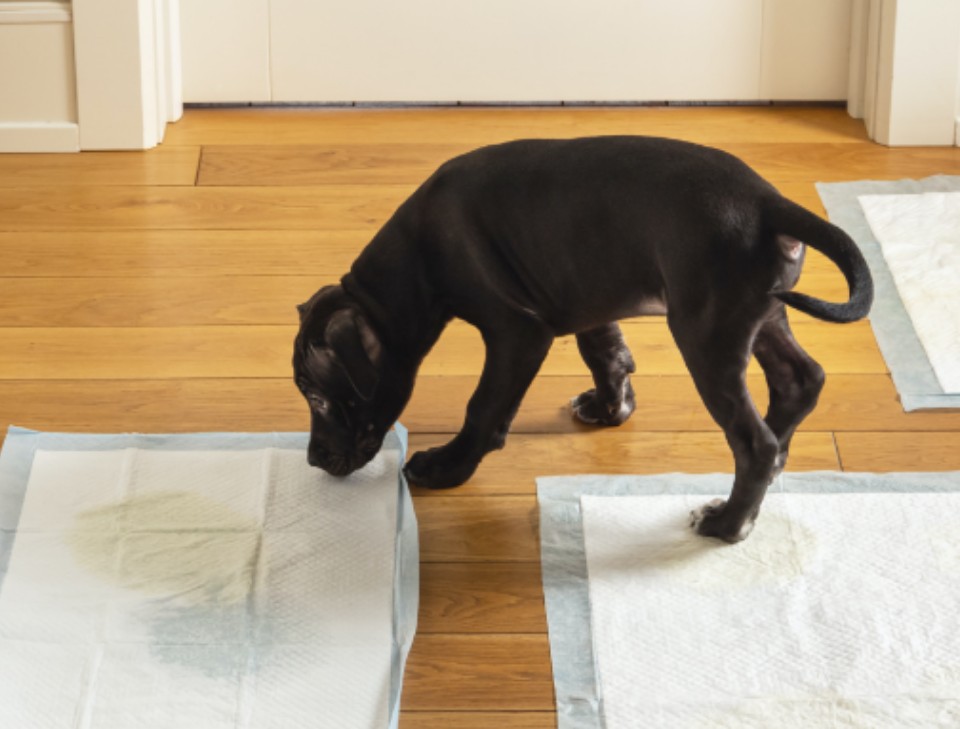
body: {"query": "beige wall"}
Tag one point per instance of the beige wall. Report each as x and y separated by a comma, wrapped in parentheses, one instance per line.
(504, 50)
(38, 100)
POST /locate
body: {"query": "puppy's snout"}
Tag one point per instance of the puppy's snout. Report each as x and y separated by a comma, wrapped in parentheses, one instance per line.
(335, 465)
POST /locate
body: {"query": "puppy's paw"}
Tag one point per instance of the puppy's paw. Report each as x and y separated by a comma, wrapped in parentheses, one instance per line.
(438, 468)
(710, 520)
(589, 408)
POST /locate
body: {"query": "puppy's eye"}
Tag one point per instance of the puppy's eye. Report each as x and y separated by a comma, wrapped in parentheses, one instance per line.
(318, 403)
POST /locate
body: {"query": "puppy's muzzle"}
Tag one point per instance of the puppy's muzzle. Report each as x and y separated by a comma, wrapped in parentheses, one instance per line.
(343, 464)
(335, 465)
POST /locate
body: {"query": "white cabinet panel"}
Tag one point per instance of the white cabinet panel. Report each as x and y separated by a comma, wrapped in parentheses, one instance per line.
(510, 50)
(806, 49)
(38, 95)
(36, 71)
(226, 50)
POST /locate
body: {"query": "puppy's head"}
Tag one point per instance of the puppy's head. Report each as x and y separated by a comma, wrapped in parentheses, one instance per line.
(338, 363)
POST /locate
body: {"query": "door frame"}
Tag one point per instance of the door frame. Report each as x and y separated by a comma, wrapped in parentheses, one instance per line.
(129, 79)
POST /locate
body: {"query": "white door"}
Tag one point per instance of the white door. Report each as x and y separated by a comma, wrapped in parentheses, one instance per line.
(514, 50)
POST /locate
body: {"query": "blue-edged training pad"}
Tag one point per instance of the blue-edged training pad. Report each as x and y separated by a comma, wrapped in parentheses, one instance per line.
(194, 622)
(915, 379)
(579, 695)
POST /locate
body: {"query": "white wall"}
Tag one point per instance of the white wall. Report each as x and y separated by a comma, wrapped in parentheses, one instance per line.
(806, 50)
(226, 50)
(502, 50)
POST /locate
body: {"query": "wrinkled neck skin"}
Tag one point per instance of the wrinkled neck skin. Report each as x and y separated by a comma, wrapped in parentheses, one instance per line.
(390, 283)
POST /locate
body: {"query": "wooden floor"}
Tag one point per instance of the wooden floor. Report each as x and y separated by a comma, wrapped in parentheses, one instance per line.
(156, 291)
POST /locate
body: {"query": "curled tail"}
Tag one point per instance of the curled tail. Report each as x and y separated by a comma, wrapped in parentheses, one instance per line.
(785, 217)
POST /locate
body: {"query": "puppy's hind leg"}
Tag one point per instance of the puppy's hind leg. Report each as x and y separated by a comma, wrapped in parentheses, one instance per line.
(793, 377)
(717, 358)
(611, 401)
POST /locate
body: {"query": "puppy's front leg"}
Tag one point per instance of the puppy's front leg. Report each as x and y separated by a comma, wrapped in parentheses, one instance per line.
(515, 351)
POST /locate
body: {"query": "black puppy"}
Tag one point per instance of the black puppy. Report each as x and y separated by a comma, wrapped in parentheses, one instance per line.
(535, 239)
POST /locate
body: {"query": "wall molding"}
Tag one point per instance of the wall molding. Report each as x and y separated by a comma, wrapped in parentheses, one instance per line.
(34, 136)
(35, 11)
(907, 81)
(128, 85)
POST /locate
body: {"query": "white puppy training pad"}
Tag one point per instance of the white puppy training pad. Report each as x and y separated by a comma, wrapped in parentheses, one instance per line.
(918, 384)
(920, 239)
(211, 581)
(839, 610)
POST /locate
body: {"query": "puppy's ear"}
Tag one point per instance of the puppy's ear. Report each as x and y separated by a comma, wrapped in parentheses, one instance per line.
(302, 311)
(357, 348)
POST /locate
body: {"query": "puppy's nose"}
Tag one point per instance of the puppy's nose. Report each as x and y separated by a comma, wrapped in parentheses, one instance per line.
(313, 459)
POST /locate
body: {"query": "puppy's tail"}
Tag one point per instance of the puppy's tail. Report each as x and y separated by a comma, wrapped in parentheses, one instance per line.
(786, 217)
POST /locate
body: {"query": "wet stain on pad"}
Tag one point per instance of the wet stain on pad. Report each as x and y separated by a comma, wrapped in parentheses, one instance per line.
(777, 552)
(170, 544)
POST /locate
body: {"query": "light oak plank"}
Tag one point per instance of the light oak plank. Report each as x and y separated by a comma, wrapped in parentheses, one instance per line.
(884, 452)
(671, 403)
(326, 254)
(476, 126)
(138, 353)
(478, 719)
(839, 162)
(165, 165)
(333, 164)
(209, 208)
(514, 469)
(265, 351)
(478, 673)
(477, 529)
(372, 164)
(666, 404)
(155, 301)
(329, 207)
(199, 300)
(481, 598)
(840, 349)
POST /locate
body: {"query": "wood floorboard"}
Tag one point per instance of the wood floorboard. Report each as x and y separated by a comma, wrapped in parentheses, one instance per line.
(155, 292)
(478, 719)
(325, 254)
(219, 351)
(486, 597)
(934, 450)
(482, 126)
(667, 403)
(166, 165)
(330, 207)
(514, 469)
(202, 300)
(199, 208)
(378, 164)
(458, 672)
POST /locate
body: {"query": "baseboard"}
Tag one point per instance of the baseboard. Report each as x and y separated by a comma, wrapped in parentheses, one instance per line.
(39, 137)
(35, 11)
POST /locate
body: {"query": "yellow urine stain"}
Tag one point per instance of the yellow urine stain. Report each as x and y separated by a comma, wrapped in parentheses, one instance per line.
(777, 551)
(172, 544)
